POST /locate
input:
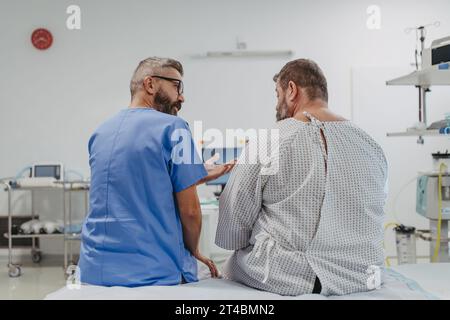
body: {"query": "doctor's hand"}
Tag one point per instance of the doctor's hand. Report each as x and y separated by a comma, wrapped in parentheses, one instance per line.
(216, 170)
(208, 262)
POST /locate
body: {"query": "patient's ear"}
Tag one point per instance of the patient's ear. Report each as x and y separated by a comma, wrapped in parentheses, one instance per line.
(292, 91)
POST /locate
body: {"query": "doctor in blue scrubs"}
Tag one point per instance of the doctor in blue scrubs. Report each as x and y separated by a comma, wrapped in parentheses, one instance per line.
(144, 221)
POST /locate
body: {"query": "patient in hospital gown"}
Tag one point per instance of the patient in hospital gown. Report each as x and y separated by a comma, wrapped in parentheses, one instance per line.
(312, 213)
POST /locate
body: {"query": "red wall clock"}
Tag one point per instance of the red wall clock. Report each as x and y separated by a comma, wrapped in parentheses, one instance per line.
(41, 39)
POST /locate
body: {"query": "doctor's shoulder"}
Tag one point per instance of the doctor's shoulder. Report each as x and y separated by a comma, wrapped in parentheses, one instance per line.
(174, 128)
(105, 126)
(174, 123)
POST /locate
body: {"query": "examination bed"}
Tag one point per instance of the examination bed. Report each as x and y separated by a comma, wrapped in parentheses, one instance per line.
(418, 282)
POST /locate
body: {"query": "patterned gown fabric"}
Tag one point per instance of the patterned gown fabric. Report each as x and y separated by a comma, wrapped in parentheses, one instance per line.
(314, 209)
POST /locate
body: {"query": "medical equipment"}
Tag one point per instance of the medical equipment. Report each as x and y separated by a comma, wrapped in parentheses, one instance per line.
(405, 239)
(438, 53)
(40, 227)
(27, 227)
(74, 228)
(51, 227)
(439, 158)
(37, 227)
(433, 69)
(433, 202)
(42, 175)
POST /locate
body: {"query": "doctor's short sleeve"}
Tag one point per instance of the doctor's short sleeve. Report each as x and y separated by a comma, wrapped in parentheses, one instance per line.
(184, 163)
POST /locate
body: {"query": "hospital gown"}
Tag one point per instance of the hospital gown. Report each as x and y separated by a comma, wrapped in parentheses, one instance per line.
(319, 215)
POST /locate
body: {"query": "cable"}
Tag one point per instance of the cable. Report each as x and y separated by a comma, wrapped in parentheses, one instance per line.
(438, 238)
(418, 51)
(21, 172)
(66, 172)
(394, 204)
(388, 264)
(397, 222)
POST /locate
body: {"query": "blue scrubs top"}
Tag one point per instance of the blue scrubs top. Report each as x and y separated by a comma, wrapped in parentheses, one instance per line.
(132, 235)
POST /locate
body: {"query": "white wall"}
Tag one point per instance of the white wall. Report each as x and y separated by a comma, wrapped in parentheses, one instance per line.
(51, 101)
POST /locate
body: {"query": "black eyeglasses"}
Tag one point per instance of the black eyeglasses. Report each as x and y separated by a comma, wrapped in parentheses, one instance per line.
(180, 85)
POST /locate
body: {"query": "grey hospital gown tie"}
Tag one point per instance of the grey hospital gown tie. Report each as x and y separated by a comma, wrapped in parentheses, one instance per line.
(319, 215)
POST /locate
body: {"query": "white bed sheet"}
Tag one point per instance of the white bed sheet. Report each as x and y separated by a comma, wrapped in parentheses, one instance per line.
(418, 282)
(432, 277)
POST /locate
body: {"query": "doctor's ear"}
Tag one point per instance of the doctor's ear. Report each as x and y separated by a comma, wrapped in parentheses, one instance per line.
(149, 84)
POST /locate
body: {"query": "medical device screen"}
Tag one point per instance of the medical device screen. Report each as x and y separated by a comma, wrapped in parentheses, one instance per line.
(47, 171)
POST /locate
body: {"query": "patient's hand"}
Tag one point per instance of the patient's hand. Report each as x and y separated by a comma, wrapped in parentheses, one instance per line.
(209, 263)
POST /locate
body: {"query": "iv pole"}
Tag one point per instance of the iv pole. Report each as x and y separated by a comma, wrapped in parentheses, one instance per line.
(423, 90)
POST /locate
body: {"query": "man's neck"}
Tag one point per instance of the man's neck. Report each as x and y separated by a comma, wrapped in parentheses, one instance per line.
(140, 103)
(310, 106)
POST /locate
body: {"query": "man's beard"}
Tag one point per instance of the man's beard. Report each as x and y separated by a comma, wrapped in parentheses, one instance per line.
(164, 104)
(282, 111)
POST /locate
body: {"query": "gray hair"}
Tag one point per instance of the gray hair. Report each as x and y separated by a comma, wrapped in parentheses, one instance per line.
(152, 65)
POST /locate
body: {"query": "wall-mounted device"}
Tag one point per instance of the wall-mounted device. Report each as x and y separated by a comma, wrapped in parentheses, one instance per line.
(438, 53)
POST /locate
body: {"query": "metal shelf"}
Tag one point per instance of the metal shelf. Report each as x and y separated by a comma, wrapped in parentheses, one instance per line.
(68, 237)
(424, 78)
(67, 187)
(73, 237)
(26, 236)
(64, 186)
(32, 188)
(417, 133)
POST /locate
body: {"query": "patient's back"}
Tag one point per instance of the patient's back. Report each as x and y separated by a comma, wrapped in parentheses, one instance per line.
(321, 212)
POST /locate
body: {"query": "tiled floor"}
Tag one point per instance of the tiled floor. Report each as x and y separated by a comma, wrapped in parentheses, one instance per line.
(36, 281)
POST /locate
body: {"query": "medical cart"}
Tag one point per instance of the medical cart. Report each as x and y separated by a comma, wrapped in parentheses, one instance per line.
(68, 236)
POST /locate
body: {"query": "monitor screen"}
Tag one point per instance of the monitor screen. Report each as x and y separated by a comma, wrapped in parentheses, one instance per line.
(225, 155)
(47, 171)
